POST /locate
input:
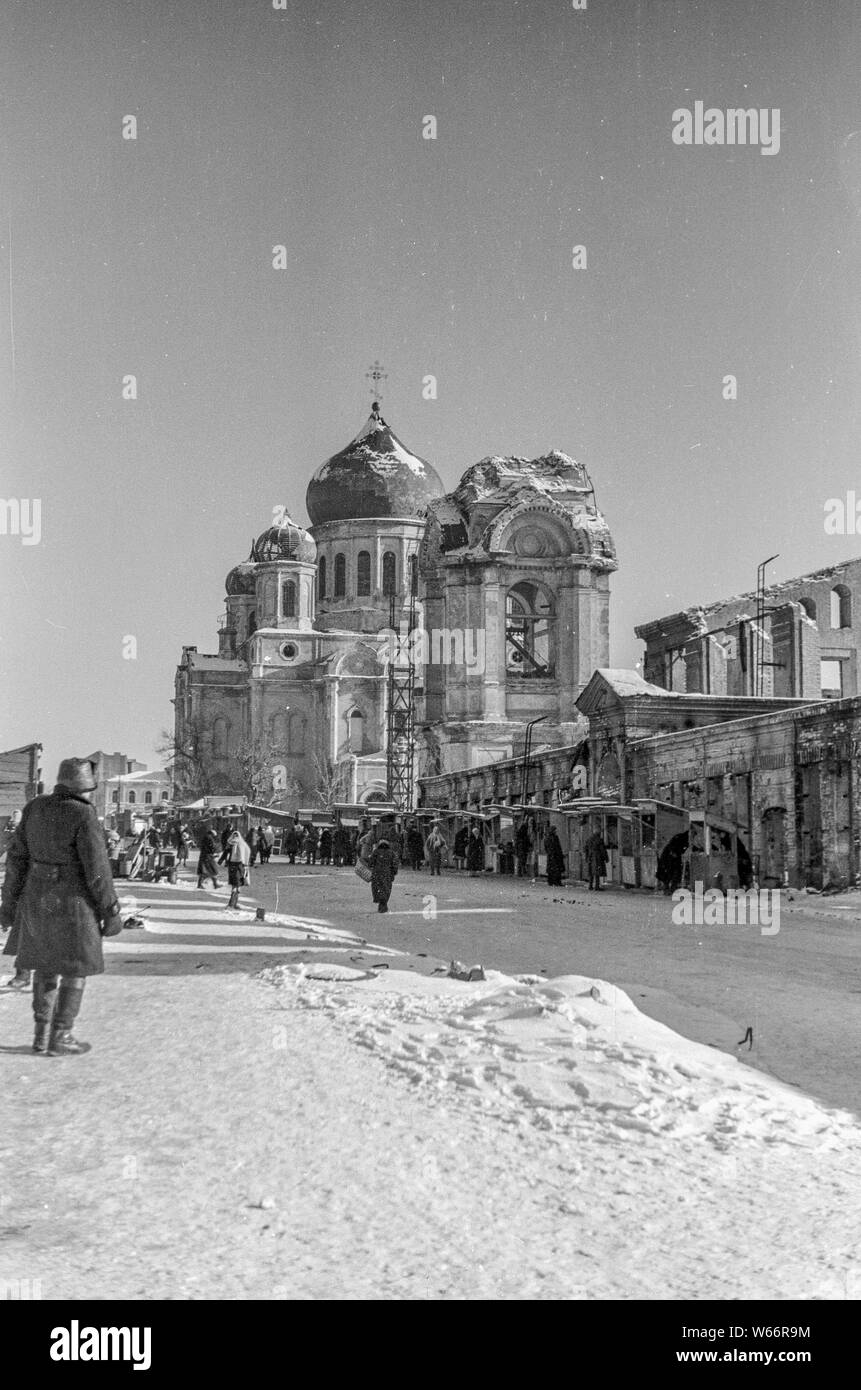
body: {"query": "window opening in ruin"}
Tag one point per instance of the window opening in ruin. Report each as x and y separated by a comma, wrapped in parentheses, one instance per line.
(528, 631)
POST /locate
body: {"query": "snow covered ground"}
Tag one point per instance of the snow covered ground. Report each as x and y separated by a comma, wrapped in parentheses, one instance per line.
(662, 1167)
(329, 1128)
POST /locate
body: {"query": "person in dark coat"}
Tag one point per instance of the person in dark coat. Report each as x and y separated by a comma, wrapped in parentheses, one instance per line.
(384, 867)
(555, 858)
(461, 840)
(292, 844)
(206, 865)
(266, 837)
(58, 896)
(669, 868)
(475, 852)
(522, 846)
(312, 837)
(326, 847)
(415, 847)
(595, 852)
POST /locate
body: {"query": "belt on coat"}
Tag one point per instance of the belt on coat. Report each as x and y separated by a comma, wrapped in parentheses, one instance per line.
(54, 870)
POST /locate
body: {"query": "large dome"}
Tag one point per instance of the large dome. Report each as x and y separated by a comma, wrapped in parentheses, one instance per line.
(285, 542)
(374, 476)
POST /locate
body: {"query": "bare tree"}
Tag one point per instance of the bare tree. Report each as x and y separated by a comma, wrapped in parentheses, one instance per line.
(332, 784)
(254, 763)
(187, 764)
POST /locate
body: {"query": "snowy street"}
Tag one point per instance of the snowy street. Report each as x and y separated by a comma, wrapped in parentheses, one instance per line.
(389, 1133)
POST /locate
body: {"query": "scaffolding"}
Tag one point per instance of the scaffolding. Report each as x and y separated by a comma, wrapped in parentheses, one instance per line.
(400, 710)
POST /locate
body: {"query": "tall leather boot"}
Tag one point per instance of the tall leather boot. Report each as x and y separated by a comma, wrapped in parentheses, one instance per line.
(62, 1043)
(44, 999)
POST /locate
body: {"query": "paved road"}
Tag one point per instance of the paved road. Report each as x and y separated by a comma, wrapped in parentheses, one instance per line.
(800, 990)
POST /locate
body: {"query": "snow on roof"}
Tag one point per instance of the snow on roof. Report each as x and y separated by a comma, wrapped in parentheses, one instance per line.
(152, 774)
(627, 683)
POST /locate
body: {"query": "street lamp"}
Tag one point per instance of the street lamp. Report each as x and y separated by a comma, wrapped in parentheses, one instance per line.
(527, 748)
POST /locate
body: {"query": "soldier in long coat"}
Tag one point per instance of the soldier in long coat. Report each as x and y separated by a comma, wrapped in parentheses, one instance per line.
(58, 897)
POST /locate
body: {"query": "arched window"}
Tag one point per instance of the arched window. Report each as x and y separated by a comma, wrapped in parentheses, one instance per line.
(165, 796)
(288, 599)
(115, 796)
(355, 734)
(841, 606)
(528, 631)
(278, 732)
(132, 798)
(296, 735)
(321, 577)
(340, 576)
(413, 566)
(252, 622)
(390, 572)
(363, 573)
(147, 798)
(809, 607)
(220, 729)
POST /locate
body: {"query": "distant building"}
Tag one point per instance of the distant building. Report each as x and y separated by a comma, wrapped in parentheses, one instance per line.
(806, 645)
(143, 791)
(19, 778)
(110, 765)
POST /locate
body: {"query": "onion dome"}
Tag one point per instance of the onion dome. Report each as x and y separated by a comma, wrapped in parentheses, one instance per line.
(285, 542)
(240, 579)
(374, 476)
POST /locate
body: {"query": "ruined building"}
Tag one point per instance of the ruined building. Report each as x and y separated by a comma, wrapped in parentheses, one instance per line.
(799, 638)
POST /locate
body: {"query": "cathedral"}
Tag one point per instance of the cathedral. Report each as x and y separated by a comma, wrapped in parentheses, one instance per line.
(505, 581)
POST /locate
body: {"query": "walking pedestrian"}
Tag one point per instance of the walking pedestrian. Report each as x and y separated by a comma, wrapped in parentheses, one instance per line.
(415, 846)
(435, 847)
(183, 847)
(312, 836)
(460, 843)
(267, 841)
(326, 846)
(206, 865)
(555, 858)
(58, 898)
(238, 861)
(522, 847)
(475, 852)
(595, 852)
(292, 844)
(384, 867)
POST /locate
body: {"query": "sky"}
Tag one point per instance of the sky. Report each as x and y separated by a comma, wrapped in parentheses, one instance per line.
(450, 257)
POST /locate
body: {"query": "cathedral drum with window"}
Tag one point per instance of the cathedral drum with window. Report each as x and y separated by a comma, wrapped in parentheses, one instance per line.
(514, 567)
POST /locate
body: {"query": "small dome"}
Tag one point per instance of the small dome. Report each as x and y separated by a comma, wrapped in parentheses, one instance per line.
(285, 542)
(240, 579)
(374, 476)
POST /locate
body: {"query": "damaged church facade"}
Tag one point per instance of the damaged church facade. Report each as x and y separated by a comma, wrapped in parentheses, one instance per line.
(507, 579)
